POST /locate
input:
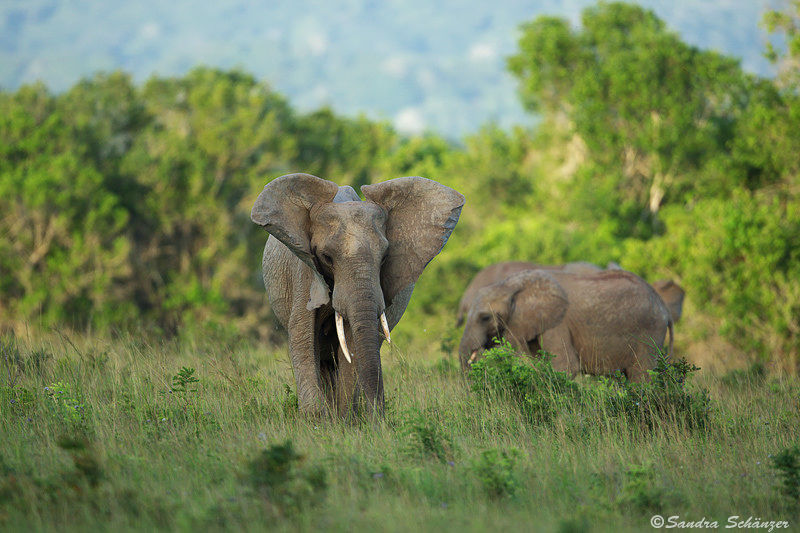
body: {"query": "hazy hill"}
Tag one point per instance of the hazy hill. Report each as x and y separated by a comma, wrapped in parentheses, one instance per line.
(417, 65)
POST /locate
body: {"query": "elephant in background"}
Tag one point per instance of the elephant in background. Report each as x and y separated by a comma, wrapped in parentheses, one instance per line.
(500, 271)
(668, 290)
(340, 271)
(593, 323)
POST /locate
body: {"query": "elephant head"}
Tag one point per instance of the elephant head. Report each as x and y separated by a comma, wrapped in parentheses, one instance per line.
(362, 254)
(519, 309)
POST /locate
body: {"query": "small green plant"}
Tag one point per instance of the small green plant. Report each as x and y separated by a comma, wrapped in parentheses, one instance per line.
(787, 463)
(182, 381)
(426, 436)
(496, 470)
(278, 474)
(183, 390)
(290, 405)
(538, 389)
(65, 405)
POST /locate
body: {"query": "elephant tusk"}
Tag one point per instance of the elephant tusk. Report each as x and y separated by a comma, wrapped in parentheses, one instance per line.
(340, 333)
(473, 357)
(385, 325)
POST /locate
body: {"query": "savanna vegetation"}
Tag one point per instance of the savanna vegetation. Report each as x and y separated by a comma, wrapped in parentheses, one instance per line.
(144, 382)
(206, 435)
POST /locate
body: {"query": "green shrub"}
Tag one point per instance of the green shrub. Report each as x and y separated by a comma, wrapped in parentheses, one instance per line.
(787, 463)
(533, 385)
(664, 398)
(426, 436)
(278, 474)
(496, 470)
(290, 406)
(66, 406)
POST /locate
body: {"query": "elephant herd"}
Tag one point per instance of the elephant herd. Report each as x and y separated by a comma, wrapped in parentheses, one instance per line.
(339, 272)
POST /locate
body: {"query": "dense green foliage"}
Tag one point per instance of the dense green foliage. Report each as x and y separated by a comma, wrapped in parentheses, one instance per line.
(541, 393)
(230, 452)
(126, 207)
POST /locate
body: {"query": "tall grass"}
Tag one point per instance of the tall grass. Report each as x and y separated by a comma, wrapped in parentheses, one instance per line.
(116, 435)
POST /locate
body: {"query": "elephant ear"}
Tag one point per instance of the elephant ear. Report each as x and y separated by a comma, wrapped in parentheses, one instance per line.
(421, 215)
(673, 295)
(539, 304)
(283, 209)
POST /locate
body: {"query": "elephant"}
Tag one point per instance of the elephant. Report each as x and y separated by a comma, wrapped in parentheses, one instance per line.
(668, 290)
(593, 323)
(339, 272)
(500, 271)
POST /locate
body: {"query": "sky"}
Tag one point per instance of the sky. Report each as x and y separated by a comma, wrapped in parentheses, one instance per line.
(419, 65)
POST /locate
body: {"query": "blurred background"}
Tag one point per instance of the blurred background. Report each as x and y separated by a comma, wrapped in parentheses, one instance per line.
(665, 136)
(415, 65)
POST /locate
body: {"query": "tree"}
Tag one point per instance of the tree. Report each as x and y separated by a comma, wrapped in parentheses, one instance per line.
(63, 248)
(652, 110)
(785, 24)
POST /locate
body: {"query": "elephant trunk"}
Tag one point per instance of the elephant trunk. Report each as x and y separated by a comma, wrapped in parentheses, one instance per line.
(367, 339)
(360, 303)
(469, 346)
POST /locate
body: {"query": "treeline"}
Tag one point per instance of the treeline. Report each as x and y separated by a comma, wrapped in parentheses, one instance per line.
(125, 206)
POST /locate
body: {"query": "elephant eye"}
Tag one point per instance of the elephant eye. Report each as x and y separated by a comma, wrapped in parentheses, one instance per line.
(327, 259)
(484, 317)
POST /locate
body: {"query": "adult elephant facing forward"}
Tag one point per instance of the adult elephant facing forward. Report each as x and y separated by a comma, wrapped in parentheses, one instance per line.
(339, 273)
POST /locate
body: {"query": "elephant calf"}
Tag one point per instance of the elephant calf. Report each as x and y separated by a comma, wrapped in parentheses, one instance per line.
(593, 322)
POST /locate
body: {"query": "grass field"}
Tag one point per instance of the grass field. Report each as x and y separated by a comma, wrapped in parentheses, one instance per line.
(134, 435)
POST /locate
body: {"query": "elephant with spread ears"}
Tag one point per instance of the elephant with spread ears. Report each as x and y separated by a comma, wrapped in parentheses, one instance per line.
(593, 322)
(339, 272)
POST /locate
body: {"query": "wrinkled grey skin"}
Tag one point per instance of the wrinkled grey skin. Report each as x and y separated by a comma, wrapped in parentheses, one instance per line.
(330, 251)
(671, 293)
(593, 323)
(500, 271)
(668, 290)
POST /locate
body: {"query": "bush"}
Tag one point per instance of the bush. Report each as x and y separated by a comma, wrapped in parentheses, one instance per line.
(787, 463)
(426, 436)
(278, 474)
(538, 389)
(665, 398)
(496, 470)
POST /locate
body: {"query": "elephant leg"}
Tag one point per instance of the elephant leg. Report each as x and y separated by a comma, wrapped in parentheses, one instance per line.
(305, 364)
(637, 373)
(558, 341)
